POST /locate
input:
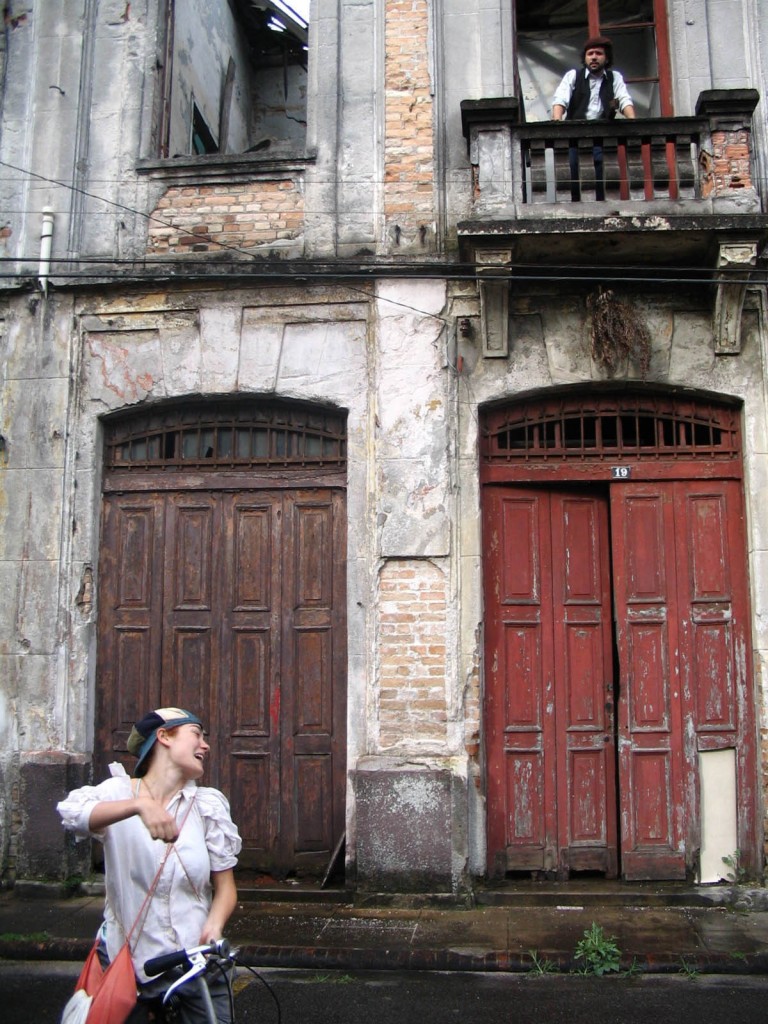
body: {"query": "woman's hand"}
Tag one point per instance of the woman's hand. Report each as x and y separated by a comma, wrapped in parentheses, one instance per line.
(158, 822)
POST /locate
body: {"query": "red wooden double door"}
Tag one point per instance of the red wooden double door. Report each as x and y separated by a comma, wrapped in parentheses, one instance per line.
(231, 604)
(616, 626)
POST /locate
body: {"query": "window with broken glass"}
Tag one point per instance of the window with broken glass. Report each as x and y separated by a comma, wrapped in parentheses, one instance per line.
(234, 77)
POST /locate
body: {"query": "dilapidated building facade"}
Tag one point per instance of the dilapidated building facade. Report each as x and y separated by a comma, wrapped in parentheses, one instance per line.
(333, 408)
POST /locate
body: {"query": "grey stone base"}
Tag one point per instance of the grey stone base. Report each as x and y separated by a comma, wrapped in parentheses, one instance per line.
(411, 830)
(43, 849)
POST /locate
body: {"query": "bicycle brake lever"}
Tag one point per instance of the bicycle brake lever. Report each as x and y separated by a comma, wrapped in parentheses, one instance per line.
(197, 960)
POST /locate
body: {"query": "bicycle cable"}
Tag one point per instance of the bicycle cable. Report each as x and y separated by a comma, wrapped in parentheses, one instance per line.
(264, 982)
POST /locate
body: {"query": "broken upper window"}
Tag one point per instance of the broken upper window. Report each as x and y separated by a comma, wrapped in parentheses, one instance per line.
(549, 39)
(235, 77)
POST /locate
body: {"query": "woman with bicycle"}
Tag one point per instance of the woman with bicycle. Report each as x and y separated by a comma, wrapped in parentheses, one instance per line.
(170, 847)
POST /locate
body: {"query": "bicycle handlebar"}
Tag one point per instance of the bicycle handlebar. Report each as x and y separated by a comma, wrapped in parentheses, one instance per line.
(183, 957)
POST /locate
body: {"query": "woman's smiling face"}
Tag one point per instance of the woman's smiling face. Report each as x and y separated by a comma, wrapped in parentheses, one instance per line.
(188, 748)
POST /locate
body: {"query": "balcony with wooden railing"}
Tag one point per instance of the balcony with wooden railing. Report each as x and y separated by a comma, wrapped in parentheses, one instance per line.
(636, 161)
(699, 159)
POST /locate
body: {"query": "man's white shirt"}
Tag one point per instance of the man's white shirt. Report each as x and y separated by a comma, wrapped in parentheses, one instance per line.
(564, 91)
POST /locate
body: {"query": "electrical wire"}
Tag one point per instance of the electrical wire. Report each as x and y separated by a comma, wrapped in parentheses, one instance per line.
(286, 273)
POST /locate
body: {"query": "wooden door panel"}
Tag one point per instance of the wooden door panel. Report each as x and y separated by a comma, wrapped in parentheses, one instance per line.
(588, 799)
(249, 724)
(650, 719)
(313, 706)
(313, 799)
(135, 528)
(650, 779)
(583, 684)
(647, 662)
(716, 681)
(521, 794)
(313, 655)
(188, 674)
(549, 711)
(253, 526)
(128, 680)
(526, 801)
(191, 531)
(190, 670)
(525, 837)
(708, 590)
(250, 792)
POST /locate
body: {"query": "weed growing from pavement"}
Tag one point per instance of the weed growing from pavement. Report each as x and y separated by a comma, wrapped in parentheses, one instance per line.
(332, 979)
(598, 951)
(690, 971)
(26, 937)
(633, 970)
(540, 965)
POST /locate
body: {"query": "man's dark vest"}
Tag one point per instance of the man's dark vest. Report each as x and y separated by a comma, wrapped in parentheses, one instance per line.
(577, 108)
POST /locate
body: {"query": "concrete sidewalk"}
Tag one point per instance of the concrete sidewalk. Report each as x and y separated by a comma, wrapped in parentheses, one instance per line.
(657, 928)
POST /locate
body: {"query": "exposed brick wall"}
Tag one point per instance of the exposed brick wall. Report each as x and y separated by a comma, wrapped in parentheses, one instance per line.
(194, 218)
(412, 652)
(727, 167)
(409, 136)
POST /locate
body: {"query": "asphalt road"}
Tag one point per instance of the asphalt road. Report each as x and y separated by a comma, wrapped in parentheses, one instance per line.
(35, 993)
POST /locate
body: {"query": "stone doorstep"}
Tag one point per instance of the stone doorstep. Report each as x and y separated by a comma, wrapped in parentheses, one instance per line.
(596, 894)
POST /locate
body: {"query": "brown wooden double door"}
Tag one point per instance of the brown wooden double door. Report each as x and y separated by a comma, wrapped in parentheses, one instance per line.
(232, 604)
(615, 653)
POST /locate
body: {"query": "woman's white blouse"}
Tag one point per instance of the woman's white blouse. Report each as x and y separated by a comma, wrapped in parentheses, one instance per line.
(175, 916)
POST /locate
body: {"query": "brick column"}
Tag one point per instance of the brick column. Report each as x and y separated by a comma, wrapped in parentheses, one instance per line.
(409, 136)
(412, 705)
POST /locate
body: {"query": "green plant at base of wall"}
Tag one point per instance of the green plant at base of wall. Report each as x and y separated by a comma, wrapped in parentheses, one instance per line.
(598, 951)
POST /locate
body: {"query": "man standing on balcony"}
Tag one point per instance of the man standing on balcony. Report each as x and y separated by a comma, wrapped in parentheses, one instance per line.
(593, 92)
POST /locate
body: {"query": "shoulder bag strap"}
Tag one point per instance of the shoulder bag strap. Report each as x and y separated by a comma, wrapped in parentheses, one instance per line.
(142, 914)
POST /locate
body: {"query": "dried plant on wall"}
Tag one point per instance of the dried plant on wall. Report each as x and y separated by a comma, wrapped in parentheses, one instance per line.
(616, 332)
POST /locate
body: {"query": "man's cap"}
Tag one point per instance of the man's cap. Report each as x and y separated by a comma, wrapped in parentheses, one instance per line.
(604, 43)
(144, 733)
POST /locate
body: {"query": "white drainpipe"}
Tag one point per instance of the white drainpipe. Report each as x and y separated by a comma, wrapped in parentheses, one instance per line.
(46, 243)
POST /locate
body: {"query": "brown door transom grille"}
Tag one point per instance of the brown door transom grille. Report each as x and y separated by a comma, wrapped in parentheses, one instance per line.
(227, 435)
(611, 428)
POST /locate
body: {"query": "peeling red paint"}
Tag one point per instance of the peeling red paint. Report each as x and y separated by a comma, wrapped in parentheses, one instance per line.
(274, 710)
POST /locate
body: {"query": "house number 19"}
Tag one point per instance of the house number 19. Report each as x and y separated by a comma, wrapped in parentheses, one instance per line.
(621, 472)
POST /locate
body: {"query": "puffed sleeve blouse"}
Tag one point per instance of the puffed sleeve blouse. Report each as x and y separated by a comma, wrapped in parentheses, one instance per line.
(175, 914)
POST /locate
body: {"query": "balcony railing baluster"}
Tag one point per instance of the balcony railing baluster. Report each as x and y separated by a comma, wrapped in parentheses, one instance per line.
(657, 164)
